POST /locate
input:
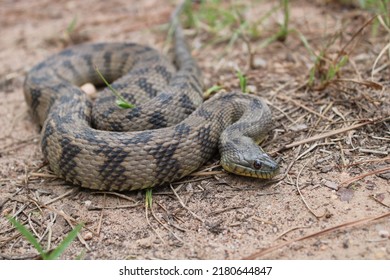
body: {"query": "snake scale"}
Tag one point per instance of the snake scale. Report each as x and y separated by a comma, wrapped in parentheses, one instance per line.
(169, 134)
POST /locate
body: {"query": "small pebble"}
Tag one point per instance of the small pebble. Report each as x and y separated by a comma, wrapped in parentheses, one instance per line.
(346, 244)
(88, 88)
(384, 233)
(87, 203)
(6, 211)
(385, 176)
(147, 243)
(259, 62)
(330, 184)
(189, 187)
(88, 235)
(298, 127)
(345, 194)
(326, 169)
(251, 88)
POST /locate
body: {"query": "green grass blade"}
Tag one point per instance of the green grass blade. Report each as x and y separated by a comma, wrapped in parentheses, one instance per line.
(72, 25)
(121, 102)
(284, 28)
(312, 76)
(343, 61)
(28, 235)
(213, 89)
(148, 198)
(65, 243)
(124, 104)
(331, 73)
(243, 81)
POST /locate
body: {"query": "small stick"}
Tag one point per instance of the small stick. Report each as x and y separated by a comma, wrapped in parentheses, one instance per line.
(53, 217)
(342, 155)
(315, 145)
(304, 107)
(96, 207)
(357, 178)
(27, 140)
(282, 112)
(368, 161)
(32, 227)
(290, 230)
(262, 221)
(371, 84)
(327, 108)
(371, 151)
(116, 194)
(290, 165)
(148, 221)
(301, 195)
(380, 202)
(360, 30)
(184, 206)
(331, 133)
(62, 214)
(58, 197)
(99, 226)
(219, 211)
(43, 175)
(80, 238)
(321, 232)
(166, 227)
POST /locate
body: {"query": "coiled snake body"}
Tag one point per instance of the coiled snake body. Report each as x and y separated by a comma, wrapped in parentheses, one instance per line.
(172, 132)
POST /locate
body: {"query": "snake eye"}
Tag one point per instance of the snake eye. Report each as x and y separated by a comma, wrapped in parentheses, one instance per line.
(257, 164)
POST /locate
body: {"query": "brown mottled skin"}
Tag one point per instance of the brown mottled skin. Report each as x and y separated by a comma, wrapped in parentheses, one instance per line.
(167, 136)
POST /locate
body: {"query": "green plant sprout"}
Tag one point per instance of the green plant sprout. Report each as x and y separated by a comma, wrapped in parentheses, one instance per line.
(211, 90)
(120, 101)
(54, 254)
(148, 198)
(243, 81)
(380, 8)
(71, 26)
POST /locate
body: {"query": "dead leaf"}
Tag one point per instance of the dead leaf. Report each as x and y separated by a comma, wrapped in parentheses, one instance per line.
(345, 194)
(380, 197)
(330, 184)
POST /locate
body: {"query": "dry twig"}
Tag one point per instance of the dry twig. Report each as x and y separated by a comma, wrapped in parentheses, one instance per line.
(331, 133)
(301, 195)
(184, 206)
(331, 229)
(359, 177)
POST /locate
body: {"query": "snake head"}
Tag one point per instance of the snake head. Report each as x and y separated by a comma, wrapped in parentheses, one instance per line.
(246, 158)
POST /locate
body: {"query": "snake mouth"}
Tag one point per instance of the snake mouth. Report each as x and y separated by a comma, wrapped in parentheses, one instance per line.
(244, 170)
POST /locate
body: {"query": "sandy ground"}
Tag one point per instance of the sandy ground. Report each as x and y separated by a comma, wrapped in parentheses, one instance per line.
(311, 210)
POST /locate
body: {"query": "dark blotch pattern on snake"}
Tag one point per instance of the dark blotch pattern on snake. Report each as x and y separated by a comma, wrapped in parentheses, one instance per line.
(169, 134)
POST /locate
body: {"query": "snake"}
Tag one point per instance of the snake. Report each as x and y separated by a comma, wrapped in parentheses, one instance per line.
(170, 133)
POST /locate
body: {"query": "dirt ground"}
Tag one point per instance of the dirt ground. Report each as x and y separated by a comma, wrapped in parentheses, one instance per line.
(332, 198)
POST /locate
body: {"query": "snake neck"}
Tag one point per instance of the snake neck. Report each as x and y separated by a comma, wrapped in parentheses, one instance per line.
(238, 144)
